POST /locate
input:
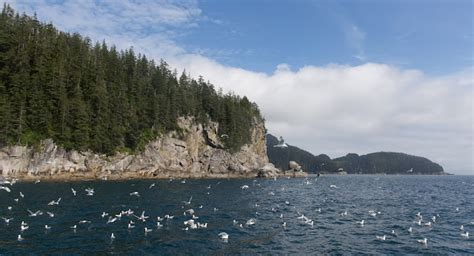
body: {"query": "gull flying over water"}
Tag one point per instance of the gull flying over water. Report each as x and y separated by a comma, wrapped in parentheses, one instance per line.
(55, 202)
(281, 143)
(34, 214)
(7, 221)
(189, 201)
(142, 217)
(90, 191)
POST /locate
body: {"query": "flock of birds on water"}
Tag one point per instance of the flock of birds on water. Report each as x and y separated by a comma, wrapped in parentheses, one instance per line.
(192, 222)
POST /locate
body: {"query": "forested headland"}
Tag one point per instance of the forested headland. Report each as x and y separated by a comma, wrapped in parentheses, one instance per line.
(374, 163)
(88, 95)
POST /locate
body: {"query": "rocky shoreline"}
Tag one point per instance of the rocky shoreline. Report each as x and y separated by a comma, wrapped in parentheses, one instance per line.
(195, 153)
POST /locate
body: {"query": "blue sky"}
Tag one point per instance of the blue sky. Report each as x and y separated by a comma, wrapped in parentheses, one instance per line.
(433, 36)
(331, 77)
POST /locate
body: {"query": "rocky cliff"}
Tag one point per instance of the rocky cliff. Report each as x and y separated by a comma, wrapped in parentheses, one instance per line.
(196, 151)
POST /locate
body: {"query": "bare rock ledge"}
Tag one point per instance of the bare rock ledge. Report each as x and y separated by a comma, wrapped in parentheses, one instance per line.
(197, 153)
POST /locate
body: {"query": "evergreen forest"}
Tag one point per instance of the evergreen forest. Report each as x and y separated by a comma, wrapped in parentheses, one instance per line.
(92, 96)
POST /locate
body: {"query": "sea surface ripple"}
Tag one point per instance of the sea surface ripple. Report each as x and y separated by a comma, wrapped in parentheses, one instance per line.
(395, 200)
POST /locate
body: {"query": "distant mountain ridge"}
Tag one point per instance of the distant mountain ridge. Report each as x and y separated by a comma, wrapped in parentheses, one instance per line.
(373, 163)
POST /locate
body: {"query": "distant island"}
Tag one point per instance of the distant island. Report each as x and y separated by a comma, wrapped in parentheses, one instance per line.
(374, 163)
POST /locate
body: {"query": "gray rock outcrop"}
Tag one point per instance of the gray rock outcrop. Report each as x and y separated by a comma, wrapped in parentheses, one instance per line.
(197, 152)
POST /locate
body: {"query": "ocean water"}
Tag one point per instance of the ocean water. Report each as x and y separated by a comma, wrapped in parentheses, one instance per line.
(395, 200)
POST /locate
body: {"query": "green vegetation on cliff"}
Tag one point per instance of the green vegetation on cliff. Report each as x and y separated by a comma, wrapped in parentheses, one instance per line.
(89, 95)
(381, 162)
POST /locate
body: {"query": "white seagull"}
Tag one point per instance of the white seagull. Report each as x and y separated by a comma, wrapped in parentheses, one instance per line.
(281, 143)
(423, 241)
(7, 221)
(223, 235)
(5, 188)
(55, 202)
(34, 214)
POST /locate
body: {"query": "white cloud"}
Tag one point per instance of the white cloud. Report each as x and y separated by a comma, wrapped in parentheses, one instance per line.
(332, 109)
(371, 107)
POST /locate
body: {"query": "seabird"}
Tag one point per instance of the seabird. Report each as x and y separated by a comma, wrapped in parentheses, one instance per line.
(74, 192)
(5, 188)
(55, 202)
(19, 238)
(189, 201)
(34, 214)
(244, 187)
(410, 230)
(7, 221)
(90, 191)
(142, 217)
(135, 194)
(47, 227)
(465, 235)
(251, 221)
(24, 227)
(382, 238)
(223, 235)
(423, 241)
(281, 143)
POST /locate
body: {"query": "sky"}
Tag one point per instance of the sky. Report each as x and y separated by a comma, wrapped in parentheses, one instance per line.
(331, 77)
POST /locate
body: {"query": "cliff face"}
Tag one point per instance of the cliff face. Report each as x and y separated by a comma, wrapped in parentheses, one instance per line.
(195, 152)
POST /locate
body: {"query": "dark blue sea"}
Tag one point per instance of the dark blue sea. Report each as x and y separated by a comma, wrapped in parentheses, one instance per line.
(388, 205)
